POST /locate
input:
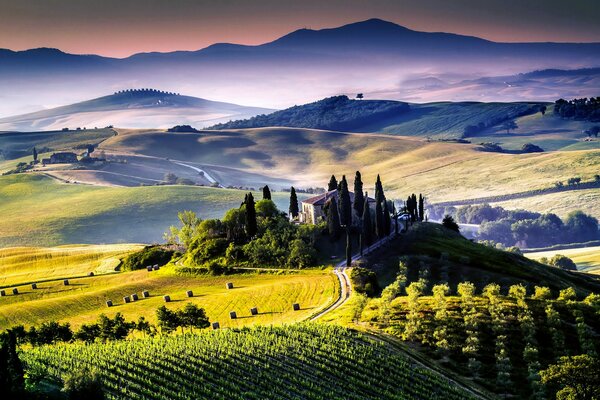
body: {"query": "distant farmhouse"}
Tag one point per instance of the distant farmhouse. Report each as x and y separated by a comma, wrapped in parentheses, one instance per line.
(312, 208)
(61, 158)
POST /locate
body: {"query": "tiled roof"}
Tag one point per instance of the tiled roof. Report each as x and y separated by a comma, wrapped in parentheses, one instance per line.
(322, 198)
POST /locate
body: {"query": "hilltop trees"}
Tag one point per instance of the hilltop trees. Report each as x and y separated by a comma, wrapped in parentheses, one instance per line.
(293, 209)
(448, 222)
(266, 193)
(584, 109)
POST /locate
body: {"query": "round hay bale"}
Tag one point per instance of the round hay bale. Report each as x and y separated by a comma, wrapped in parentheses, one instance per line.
(215, 325)
(254, 311)
(145, 294)
(167, 298)
(66, 282)
(232, 315)
(229, 285)
(15, 291)
(34, 285)
(189, 293)
(2, 293)
(296, 306)
(126, 299)
(156, 267)
(109, 303)
(149, 268)
(134, 297)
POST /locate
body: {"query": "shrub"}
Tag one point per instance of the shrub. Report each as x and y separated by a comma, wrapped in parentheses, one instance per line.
(149, 255)
(364, 281)
(83, 384)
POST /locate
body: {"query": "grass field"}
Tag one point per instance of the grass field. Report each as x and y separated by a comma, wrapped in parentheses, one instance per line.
(40, 211)
(586, 258)
(84, 298)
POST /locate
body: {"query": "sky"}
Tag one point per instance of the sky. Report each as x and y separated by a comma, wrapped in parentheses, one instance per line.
(119, 28)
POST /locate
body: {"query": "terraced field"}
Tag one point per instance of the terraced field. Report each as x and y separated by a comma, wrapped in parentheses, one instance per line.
(302, 361)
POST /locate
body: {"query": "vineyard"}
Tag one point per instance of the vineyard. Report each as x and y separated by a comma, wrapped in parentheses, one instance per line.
(303, 361)
(500, 341)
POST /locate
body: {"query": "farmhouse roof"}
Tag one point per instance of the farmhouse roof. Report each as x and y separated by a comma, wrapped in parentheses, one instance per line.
(322, 198)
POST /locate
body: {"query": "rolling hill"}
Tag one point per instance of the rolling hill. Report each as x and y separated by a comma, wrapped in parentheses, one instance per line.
(132, 109)
(400, 64)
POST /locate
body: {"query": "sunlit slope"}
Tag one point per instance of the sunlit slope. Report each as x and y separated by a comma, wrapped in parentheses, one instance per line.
(38, 210)
(406, 165)
(586, 258)
(85, 297)
(34, 264)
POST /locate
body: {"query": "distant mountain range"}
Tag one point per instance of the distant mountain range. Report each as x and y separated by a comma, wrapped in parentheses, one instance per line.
(372, 56)
(143, 108)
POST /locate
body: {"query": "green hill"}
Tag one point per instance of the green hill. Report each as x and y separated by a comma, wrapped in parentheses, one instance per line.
(304, 361)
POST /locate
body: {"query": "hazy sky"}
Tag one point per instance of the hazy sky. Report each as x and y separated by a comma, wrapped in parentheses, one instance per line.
(122, 27)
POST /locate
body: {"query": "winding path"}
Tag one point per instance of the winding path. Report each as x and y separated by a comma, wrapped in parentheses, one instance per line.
(203, 172)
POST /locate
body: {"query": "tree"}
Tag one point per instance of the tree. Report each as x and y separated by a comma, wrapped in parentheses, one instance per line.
(367, 226)
(387, 221)
(509, 124)
(581, 227)
(170, 178)
(360, 96)
(83, 384)
(421, 207)
(348, 247)
(543, 109)
(379, 222)
(167, 320)
(266, 193)
(12, 383)
(35, 155)
(188, 231)
(193, 316)
(333, 219)
(359, 200)
(251, 224)
(293, 210)
(577, 377)
(333, 184)
(563, 262)
(345, 205)
(448, 222)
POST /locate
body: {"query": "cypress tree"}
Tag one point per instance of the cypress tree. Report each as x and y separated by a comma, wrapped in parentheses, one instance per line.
(367, 226)
(12, 383)
(415, 208)
(387, 222)
(333, 219)
(35, 155)
(251, 224)
(266, 193)
(333, 184)
(359, 200)
(293, 204)
(345, 205)
(379, 224)
(348, 248)
(421, 208)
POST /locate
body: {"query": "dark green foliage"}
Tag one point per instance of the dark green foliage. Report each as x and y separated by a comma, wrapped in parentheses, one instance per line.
(509, 124)
(333, 184)
(206, 249)
(367, 225)
(359, 198)
(379, 221)
(251, 225)
(191, 316)
(387, 221)
(149, 255)
(12, 383)
(293, 210)
(582, 109)
(421, 208)
(266, 193)
(576, 378)
(333, 219)
(449, 223)
(348, 248)
(83, 384)
(266, 209)
(35, 155)
(302, 254)
(182, 128)
(49, 332)
(333, 113)
(531, 148)
(582, 226)
(562, 262)
(105, 329)
(364, 281)
(345, 205)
